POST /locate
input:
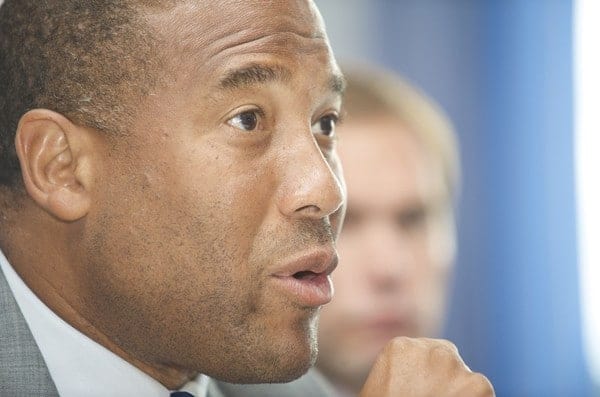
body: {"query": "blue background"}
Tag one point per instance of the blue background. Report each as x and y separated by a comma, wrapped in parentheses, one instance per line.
(503, 70)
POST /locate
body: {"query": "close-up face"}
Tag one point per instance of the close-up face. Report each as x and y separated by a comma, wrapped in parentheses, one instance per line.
(396, 247)
(210, 239)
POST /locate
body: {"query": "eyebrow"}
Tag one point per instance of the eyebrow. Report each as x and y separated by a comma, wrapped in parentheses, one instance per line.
(259, 74)
(254, 74)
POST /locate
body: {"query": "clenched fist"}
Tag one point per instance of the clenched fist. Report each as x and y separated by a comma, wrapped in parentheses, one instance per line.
(422, 368)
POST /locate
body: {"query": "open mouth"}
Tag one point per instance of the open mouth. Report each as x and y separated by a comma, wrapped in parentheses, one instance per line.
(306, 279)
(307, 287)
(305, 275)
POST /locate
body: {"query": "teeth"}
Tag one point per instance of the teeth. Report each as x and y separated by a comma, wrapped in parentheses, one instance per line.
(305, 275)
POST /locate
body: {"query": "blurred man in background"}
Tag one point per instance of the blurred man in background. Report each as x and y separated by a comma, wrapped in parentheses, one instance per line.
(397, 246)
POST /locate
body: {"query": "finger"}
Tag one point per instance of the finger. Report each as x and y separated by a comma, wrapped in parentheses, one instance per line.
(473, 384)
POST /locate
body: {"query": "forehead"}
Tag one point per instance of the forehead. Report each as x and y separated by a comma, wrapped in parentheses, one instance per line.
(383, 161)
(215, 34)
(227, 16)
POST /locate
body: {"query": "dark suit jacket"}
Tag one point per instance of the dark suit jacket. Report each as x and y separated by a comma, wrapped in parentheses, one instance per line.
(23, 371)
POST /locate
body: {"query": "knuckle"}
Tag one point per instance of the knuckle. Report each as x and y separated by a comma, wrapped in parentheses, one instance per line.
(444, 354)
(440, 354)
(480, 385)
(449, 345)
(398, 343)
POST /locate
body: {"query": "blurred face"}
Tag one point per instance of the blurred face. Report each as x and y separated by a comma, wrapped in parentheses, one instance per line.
(395, 248)
(210, 242)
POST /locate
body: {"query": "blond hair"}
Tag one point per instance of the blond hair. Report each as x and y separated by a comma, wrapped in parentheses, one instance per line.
(373, 92)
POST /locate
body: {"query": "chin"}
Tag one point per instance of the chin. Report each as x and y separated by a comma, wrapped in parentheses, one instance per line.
(280, 371)
(282, 360)
(292, 361)
(290, 375)
(294, 353)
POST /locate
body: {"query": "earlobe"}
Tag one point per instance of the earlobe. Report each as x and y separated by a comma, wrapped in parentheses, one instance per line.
(45, 146)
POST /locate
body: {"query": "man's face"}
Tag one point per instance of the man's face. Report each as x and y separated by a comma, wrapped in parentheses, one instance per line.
(395, 248)
(210, 240)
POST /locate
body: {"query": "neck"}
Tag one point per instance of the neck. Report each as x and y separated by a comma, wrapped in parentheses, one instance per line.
(41, 251)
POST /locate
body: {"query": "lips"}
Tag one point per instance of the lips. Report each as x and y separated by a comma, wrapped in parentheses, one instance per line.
(306, 279)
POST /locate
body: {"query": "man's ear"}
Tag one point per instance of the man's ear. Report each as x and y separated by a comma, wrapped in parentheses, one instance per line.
(49, 149)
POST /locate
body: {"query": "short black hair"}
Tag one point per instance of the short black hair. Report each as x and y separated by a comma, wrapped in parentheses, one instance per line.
(90, 60)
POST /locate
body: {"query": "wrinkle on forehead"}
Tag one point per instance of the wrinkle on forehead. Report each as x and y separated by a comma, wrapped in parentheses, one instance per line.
(277, 43)
(209, 27)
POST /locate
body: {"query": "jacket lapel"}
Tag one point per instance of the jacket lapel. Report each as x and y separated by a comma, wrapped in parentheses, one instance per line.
(23, 371)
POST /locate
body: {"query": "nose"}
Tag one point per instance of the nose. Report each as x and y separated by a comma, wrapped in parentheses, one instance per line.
(311, 186)
(389, 256)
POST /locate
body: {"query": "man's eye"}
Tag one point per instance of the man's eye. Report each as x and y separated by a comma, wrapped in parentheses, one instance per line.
(325, 126)
(247, 121)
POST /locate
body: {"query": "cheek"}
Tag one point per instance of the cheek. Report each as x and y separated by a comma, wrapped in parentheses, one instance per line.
(437, 250)
(166, 262)
(158, 229)
(199, 206)
(432, 271)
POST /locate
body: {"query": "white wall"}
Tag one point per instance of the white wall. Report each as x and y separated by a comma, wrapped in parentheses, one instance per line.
(587, 129)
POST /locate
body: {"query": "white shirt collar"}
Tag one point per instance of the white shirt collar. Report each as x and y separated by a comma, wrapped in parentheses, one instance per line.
(78, 365)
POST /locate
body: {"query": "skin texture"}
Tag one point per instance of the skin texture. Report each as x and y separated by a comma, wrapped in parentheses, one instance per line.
(156, 240)
(396, 248)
